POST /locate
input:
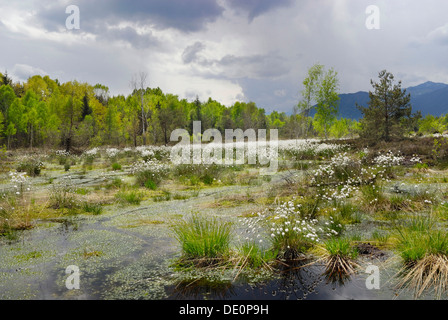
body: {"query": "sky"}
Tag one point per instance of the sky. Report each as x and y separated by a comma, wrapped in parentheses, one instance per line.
(230, 50)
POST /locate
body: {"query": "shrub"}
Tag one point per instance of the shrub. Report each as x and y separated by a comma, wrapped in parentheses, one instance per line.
(31, 167)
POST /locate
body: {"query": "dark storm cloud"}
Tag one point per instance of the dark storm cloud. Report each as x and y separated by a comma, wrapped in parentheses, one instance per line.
(255, 8)
(186, 16)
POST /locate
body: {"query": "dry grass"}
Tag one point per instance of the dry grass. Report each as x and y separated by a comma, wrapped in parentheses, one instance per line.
(340, 265)
(427, 274)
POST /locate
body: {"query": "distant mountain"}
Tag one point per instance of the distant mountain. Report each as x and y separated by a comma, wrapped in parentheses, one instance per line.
(347, 104)
(429, 98)
(425, 88)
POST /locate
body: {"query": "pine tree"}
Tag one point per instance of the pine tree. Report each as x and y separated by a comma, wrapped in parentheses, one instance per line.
(388, 111)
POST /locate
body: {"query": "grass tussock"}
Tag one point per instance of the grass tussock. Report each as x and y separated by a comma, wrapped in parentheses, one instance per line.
(204, 240)
(427, 274)
(424, 250)
(254, 257)
(339, 256)
(132, 197)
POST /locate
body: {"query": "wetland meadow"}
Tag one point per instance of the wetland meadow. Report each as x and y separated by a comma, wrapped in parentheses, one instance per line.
(337, 220)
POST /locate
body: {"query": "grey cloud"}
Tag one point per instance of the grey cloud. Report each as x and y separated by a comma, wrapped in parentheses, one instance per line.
(260, 91)
(129, 35)
(439, 35)
(235, 67)
(255, 66)
(186, 16)
(255, 8)
(190, 53)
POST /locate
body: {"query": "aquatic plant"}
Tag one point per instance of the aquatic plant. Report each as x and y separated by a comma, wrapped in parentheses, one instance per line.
(252, 255)
(204, 240)
(424, 251)
(289, 232)
(339, 256)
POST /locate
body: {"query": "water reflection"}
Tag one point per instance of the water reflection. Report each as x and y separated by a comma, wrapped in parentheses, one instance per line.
(202, 288)
(339, 277)
(297, 280)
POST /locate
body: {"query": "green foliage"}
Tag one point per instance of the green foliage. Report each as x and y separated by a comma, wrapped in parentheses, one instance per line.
(73, 115)
(150, 184)
(341, 247)
(93, 208)
(388, 112)
(32, 167)
(431, 125)
(116, 166)
(203, 237)
(439, 150)
(253, 256)
(63, 197)
(2, 123)
(133, 197)
(419, 238)
(341, 128)
(327, 100)
(322, 88)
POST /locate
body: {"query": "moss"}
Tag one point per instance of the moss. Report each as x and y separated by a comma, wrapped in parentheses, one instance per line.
(142, 223)
(28, 256)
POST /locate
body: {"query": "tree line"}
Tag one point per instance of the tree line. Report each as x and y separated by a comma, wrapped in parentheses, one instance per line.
(42, 112)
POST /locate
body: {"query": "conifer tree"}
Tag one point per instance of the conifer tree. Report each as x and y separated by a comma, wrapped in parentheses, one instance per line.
(388, 110)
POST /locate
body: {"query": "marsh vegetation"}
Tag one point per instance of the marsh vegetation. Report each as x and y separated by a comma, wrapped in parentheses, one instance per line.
(332, 205)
